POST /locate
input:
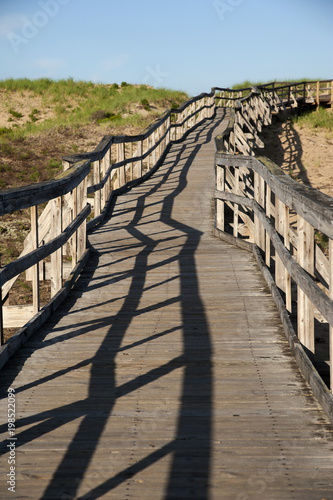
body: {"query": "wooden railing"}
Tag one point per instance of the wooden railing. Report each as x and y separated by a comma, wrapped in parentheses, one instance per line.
(312, 92)
(119, 162)
(55, 248)
(256, 202)
(64, 227)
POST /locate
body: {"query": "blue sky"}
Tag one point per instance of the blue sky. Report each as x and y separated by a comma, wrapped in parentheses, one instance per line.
(189, 45)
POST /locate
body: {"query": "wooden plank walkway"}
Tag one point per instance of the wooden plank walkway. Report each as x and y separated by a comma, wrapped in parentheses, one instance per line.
(166, 375)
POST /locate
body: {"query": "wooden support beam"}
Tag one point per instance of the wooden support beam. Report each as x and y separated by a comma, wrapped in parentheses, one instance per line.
(97, 194)
(121, 157)
(317, 95)
(259, 196)
(56, 257)
(220, 186)
(73, 239)
(331, 325)
(35, 274)
(305, 309)
(286, 236)
(268, 240)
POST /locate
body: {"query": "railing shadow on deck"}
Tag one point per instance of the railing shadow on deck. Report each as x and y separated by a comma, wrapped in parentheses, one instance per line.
(189, 457)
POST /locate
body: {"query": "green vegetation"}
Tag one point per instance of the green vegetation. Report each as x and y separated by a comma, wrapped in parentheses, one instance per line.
(146, 105)
(74, 103)
(247, 83)
(15, 114)
(65, 117)
(321, 118)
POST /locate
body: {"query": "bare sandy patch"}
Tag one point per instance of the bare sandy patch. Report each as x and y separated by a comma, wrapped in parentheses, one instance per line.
(304, 153)
(25, 103)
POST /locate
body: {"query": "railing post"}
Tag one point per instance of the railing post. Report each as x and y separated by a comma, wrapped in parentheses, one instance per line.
(305, 308)
(220, 186)
(286, 236)
(331, 326)
(121, 157)
(139, 163)
(236, 207)
(154, 140)
(35, 273)
(107, 160)
(1, 315)
(259, 196)
(103, 190)
(268, 214)
(56, 257)
(82, 202)
(317, 96)
(74, 237)
(97, 194)
(279, 226)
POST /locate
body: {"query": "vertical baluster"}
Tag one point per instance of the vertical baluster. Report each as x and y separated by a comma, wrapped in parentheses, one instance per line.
(1, 318)
(236, 207)
(82, 202)
(220, 186)
(331, 326)
(154, 140)
(107, 160)
(121, 157)
(74, 237)
(287, 245)
(35, 273)
(102, 173)
(305, 309)
(97, 194)
(268, 214)
(56, 257)
(317, 96)
(279, 226)
(131, 164)
(259, 196)
(139, 163)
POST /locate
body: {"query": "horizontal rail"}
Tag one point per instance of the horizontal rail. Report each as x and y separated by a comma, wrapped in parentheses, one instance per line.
(15, 199)
(25, 262)
(270, 204)
(116, 164)
(90, 180)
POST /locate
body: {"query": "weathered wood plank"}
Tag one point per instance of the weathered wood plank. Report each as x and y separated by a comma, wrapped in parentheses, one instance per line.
(166, 373)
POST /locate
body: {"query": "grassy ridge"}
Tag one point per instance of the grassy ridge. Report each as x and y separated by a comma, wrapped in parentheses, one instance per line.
(248, 83)
(43, 119)
(78, 103)
(318, 119)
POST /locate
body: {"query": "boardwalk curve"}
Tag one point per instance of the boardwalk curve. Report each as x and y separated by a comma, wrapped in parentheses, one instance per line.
(166, 374)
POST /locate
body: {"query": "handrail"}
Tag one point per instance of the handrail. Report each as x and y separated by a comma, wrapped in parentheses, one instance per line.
(15, 199)
(257, 202)
(116, 164)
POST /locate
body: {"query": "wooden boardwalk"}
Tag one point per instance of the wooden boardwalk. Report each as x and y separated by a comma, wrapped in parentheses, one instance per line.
(167, 374)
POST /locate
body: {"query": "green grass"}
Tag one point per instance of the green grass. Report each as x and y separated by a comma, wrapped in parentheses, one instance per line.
(76, 103)
(248, 83)
(318, 119)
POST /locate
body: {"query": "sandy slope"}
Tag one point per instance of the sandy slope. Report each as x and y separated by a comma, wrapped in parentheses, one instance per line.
(304, 153)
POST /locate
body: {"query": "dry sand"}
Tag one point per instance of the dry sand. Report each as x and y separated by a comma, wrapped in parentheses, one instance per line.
(304, 153)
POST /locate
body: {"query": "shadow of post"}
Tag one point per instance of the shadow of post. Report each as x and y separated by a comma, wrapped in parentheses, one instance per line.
(191, 446)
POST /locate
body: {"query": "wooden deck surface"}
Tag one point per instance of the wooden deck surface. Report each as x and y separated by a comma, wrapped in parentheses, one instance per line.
(167, 374)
